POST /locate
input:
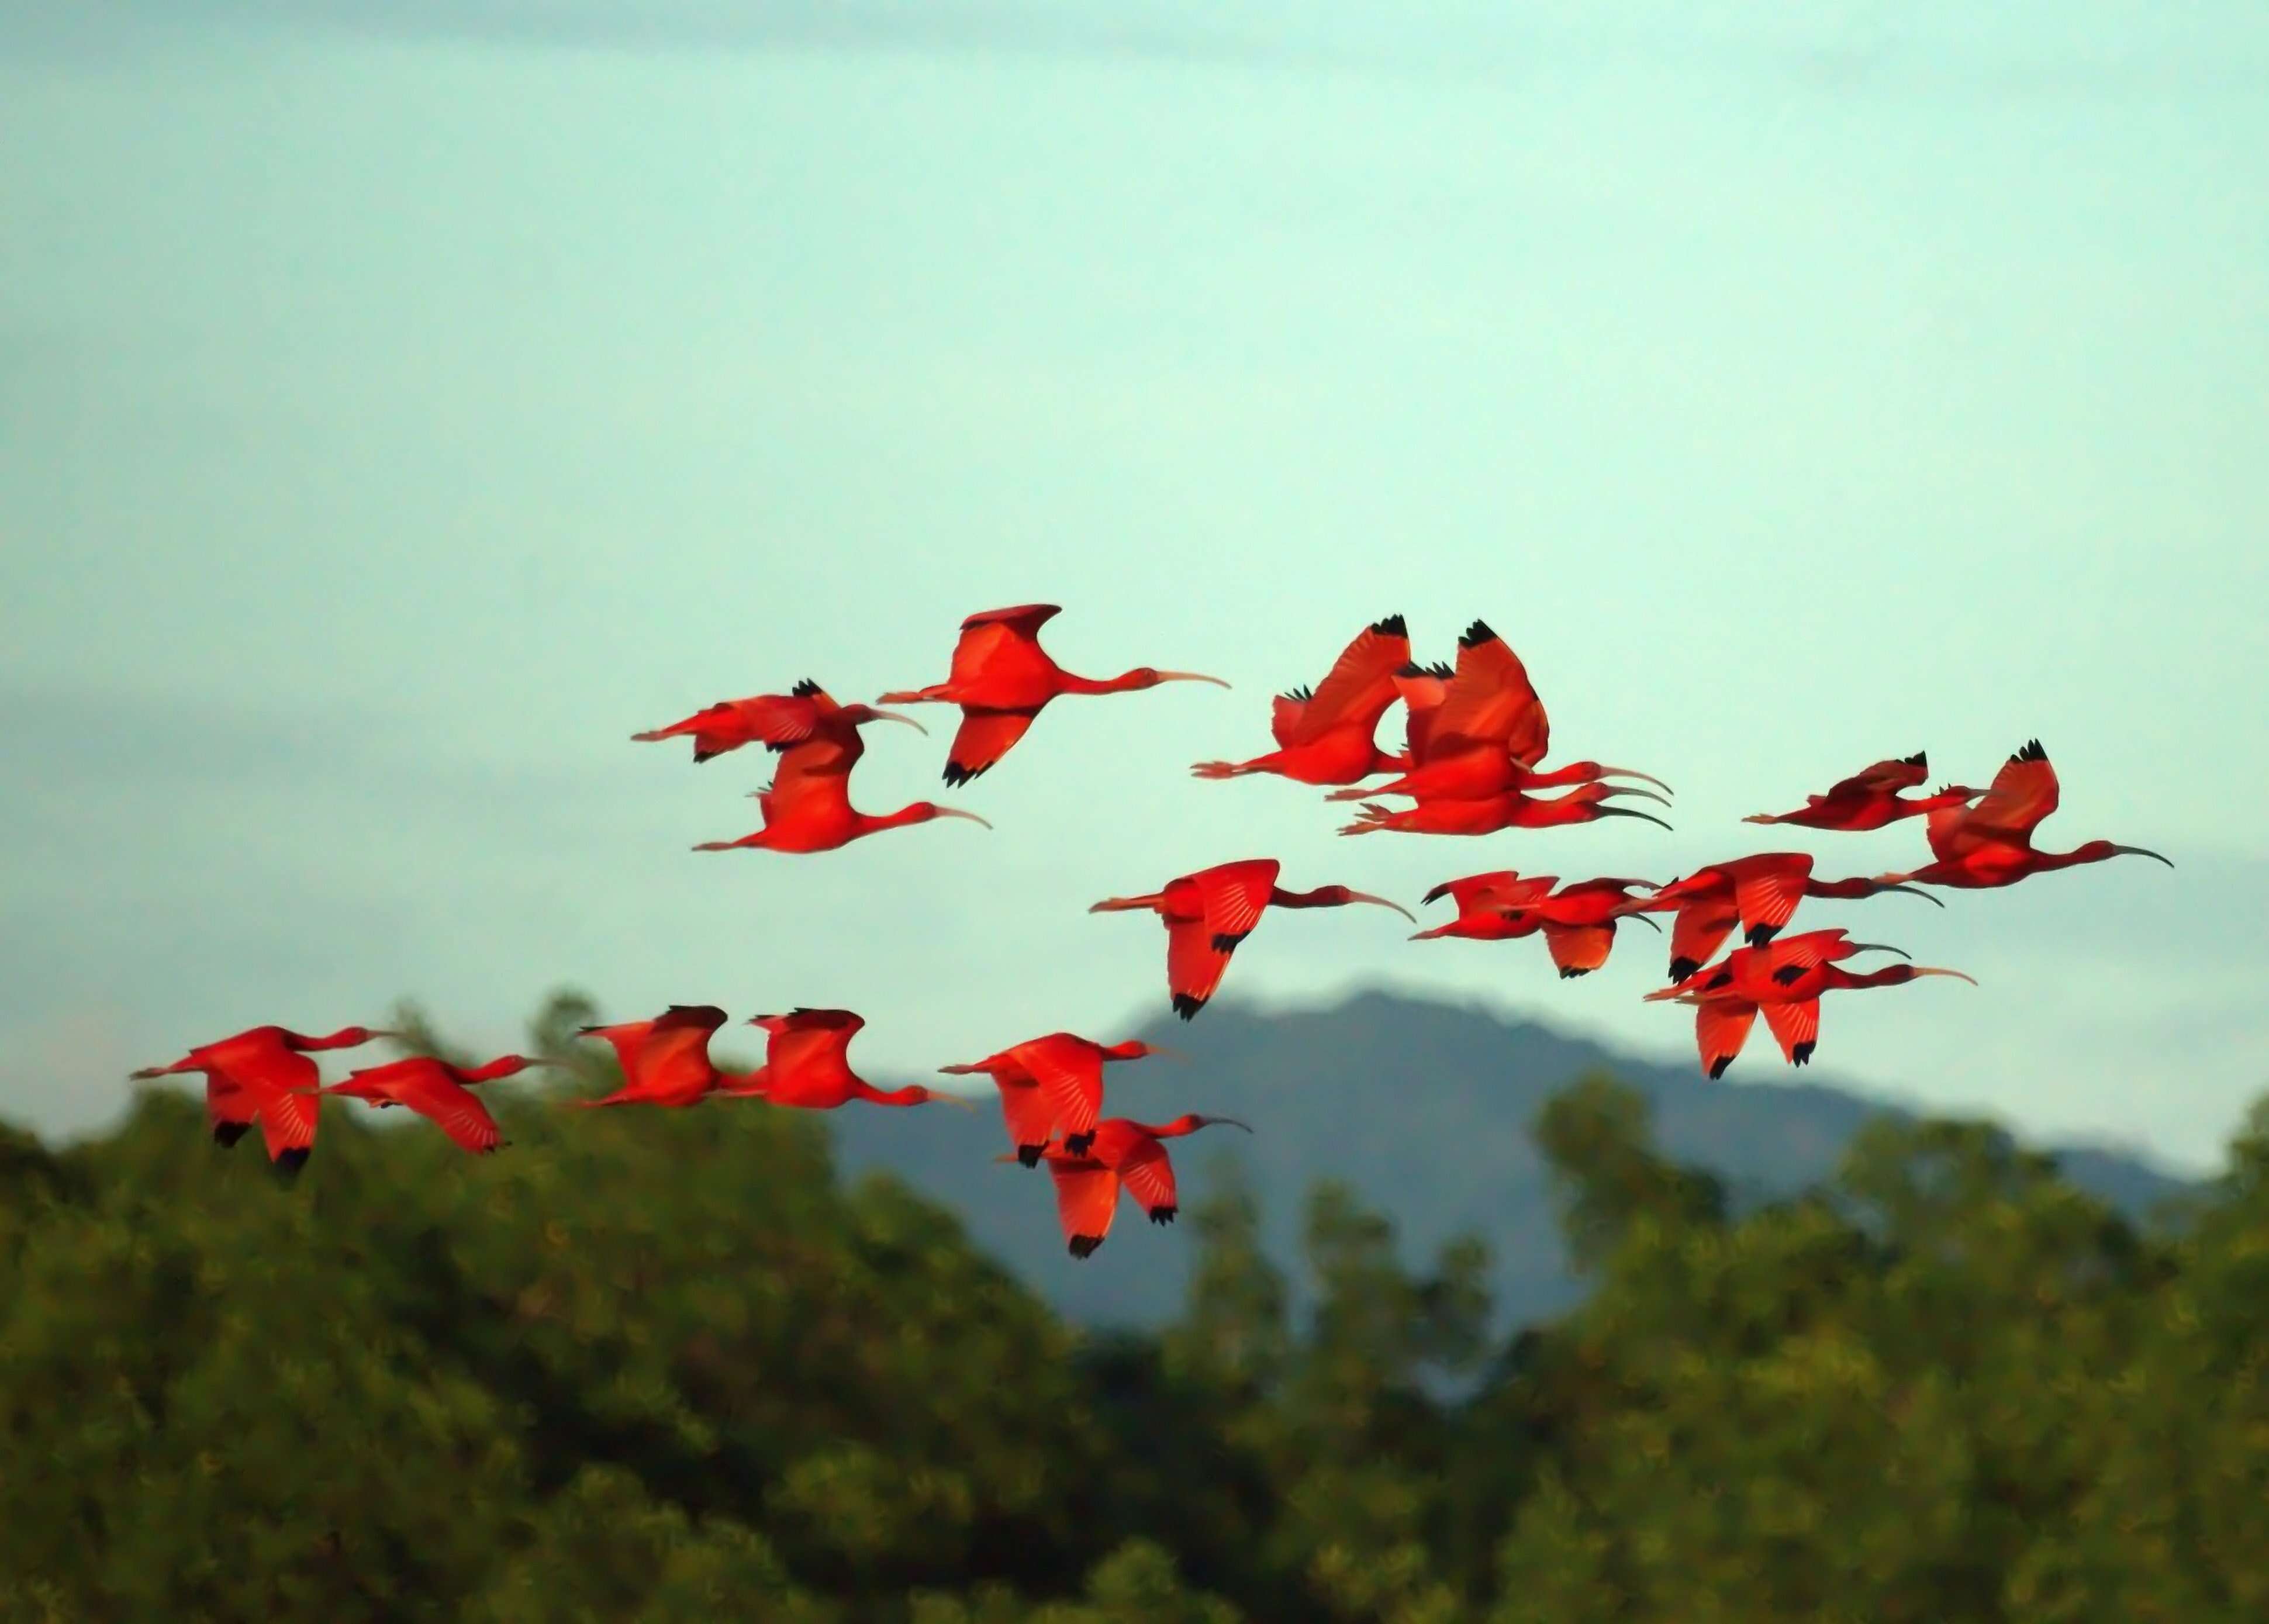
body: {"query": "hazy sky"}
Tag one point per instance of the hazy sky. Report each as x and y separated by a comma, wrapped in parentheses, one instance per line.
(399, 410)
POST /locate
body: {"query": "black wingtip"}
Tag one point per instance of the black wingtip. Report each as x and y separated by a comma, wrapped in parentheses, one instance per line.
(1084, 1245)
(1681, 968)
(1410, 667)
(1186, 1007)
(1162, 1215)
(803, 689)
(2031, 752)
(1920, 758)
(700, 755)
(1801, 1055)
(1718, 1066)
(289, 1163)
(1298, 696)
(1078, 1144)
(1391, 627)
(957, 775)
(1029, 1155)
(1225, 941)
(1758, 935)
(1570, 972)
(1476, 634)
(1440, 667)
(226, 1133)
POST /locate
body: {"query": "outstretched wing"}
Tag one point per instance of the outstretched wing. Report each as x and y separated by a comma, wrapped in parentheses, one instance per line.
(1700, 928)
(982, 739)
(1796, 1028)
(1070, 1078)
(1807, 951)
(1488, 698)
(1578, 949)
(1423, 689)
(2024, 791)
(1767, 892)
(1721, 1026)
(1500, 888)
(810, 782)
(458, 1114)
(1284, 713)
(626, 1038)
(1027, 1114)
(1087, 1198)
(1360, 684)
(1886, 777)
(1149, 1178)
(986, 635)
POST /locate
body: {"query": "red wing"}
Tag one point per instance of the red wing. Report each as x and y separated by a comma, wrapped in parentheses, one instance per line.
(782, 720)
(807, 784)
(1768, 895)
(1490, 697)
(2024, 791)
(1812, 949)
(1721, 1026)
(459, 1115)
(1194, 966)
(1284, 713)
(1087, 1197)
(1578, 949)
(1943, 829)
(1423, 693)
(1234, 894)
(1887, 777)
(1501, 888)
(1360, 685)
(1070, 1075)
(983, 738)
(1149, 1176)
(287, 1121)
(626, 1038)
(1794, 1024)
(1031, 1119)
(680, 1034)
(227, 1101)
(1700, 928)
(985, 637)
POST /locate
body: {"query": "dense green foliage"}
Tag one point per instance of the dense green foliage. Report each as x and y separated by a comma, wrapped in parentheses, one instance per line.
(662, 1366)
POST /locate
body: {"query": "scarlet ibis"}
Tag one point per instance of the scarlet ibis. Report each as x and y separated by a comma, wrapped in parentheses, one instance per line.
(807, 1064)
(811, 811)
(1578, 922)
(1510, 809)
(1208, 912)
(1485, 903)
(804, 714)
(1001, 678)
(1760, 892)
(1990, 844)
(1784, 980)
(1486, 735)
(1052, 1085)
(1870, 799)
(1122, 1153)
(256, 1076)
(664, 1061)
(1328, 735)
(437, 1091)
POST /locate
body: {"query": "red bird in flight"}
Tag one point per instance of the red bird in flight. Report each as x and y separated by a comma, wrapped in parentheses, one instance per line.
(664, 1061)
(1122, 1153)
(1486, 734)
(1051, 1086)
(1001, 678)
(437, 1091)
(1329, 735)
(810, 810)
(1487, 904)
(1759, 892)
(1990, 844)
(1208, 912)
(259, 1075)
(1578, 922)
(1870, 799)
(807, 1064)
(1486, 815)
(805, 715)
(1784, 980)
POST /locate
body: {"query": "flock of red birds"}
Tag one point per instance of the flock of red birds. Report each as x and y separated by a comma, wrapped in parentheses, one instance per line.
(1474, 736)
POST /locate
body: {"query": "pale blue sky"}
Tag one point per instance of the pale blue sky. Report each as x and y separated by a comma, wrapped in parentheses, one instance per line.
(396, 413)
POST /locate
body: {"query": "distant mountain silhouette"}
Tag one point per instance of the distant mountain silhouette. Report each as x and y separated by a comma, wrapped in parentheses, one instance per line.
(1452, 1153)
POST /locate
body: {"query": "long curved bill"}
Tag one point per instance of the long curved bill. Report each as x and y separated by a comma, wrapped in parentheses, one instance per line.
(1190, 676)
(1878, 946)
(1382, 902)
(958, 812)
(1163, 1052)
(1226, 1122)
(1632, 812)
(1915, 890)
(893, 716)
(1633, 772)
(1625, 789)
(939, 1096)
(1933, 969)
(1646, 919)
(2142, 851)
